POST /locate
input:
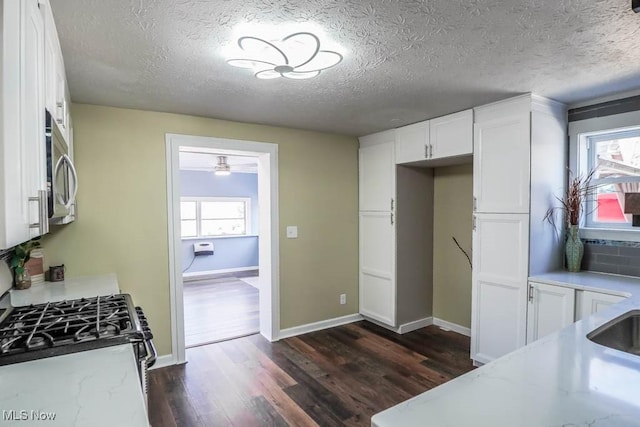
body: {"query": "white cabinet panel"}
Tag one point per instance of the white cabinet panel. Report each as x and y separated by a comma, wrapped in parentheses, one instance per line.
(499, 321)
(412, 143)
(500, 250)
(57, 93)
(501, 165)
(550, 309)
(592, 302)
(51, 49)
(377, 177)
(377, 267)
(452, 135)
(22, 173)
(499, 297)
(34, 155)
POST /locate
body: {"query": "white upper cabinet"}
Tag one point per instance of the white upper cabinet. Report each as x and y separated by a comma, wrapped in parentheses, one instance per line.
(57, 92)
(501, 161)
(377, 175)
(441, 138)
(412, 143)
(451, 135)
(23, 176)
(33, 117)
(51, 49)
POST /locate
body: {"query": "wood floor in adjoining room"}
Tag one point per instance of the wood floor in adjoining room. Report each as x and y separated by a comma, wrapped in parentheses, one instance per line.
(339, 376)
(219, 309)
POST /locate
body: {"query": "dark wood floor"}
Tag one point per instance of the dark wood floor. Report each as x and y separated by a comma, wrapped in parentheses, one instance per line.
(339, 376)
(219, 309)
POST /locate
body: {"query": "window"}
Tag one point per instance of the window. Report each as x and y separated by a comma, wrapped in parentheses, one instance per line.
(215, 216)
(615, 157)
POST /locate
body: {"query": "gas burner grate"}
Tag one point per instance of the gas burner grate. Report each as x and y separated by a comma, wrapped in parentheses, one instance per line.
(89, 320)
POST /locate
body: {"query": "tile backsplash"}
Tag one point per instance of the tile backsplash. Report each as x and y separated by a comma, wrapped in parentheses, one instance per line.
(610, 256)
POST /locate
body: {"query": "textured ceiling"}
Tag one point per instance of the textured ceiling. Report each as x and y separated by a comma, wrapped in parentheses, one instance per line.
(404, 60)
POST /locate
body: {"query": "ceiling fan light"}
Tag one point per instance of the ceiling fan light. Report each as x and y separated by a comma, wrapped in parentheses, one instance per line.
(296, 56)
(222, 168)
(323, 60)
(253, 64)
(267, 74)
(294, 75)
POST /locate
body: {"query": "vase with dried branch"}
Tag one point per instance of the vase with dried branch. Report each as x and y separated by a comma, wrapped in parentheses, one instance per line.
(572, 205)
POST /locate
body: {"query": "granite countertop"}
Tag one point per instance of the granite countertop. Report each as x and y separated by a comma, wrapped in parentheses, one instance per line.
(71, 288)
(91, 388)
(563, 379)
(97, 387)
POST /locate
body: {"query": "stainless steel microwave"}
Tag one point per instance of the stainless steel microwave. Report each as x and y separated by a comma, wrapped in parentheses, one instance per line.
(62, 179)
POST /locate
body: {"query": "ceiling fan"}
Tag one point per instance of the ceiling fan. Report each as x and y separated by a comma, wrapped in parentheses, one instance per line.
(218, 163)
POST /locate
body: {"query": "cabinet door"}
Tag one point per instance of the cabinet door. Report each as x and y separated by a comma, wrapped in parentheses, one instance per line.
(377, 177)
(377, 267)
(51, 49)
(499, 285)
(412, 143)
(33, 103)
(452, 135)
(590, 302)
(550, 309)
(15, 217)
(501, 164)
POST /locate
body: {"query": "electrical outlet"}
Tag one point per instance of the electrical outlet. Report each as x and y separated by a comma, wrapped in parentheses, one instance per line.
(292, 232)
(343, 299)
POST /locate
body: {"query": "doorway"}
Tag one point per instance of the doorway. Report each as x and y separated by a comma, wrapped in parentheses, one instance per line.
(219, 228)
(264, 157)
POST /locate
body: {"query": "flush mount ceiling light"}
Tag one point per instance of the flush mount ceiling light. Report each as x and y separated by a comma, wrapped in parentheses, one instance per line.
(222, 168)
(297, 56)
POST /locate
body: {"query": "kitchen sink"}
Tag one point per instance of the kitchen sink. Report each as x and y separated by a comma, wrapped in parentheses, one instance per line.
(621, 333)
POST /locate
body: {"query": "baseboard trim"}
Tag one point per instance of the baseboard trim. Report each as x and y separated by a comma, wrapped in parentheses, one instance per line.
(318, 326)
(443, 324)
(405, 327)
(164, 361)
(415, 325)
(199, 275)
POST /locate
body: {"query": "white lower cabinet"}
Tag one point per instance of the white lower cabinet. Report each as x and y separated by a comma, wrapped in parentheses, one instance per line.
(377, 262)
(499, 296)
(588, 303)
(550, 309)
(553, 307)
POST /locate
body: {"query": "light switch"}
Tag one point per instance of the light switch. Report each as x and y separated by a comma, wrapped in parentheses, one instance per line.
(292, 232)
